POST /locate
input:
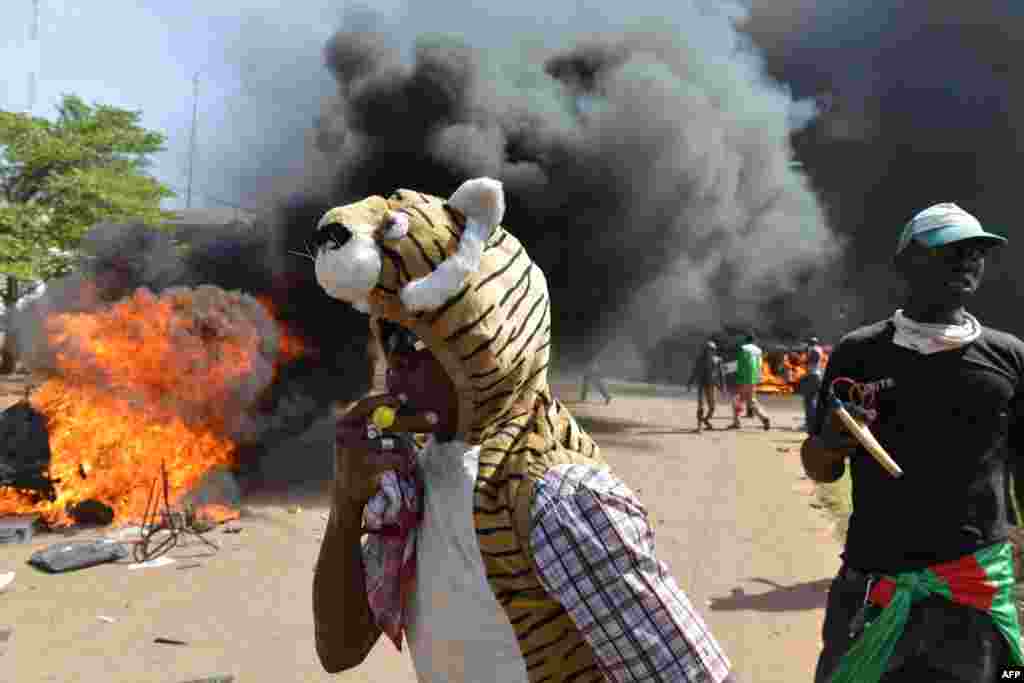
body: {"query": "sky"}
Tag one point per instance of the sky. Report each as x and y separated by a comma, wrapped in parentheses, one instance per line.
(143, 56)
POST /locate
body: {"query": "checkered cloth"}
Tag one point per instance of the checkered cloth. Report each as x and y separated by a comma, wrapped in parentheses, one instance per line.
(594, 549)
(390, 520)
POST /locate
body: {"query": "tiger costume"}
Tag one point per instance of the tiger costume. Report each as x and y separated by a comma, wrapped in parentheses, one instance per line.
(466, 287)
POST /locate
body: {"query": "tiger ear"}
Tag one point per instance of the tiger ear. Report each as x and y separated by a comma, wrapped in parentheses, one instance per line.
(482, 202)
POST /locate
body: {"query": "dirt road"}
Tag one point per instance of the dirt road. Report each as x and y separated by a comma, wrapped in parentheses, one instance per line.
(733, 517)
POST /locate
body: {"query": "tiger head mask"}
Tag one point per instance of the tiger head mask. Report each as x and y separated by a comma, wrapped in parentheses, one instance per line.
(447, 271)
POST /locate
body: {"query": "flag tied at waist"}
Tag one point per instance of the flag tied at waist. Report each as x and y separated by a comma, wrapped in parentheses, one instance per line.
(983, 580)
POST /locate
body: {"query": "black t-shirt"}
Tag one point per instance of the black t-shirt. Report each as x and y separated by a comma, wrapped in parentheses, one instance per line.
(953, 422)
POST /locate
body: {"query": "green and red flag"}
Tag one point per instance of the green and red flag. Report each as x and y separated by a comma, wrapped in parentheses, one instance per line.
(983, 580)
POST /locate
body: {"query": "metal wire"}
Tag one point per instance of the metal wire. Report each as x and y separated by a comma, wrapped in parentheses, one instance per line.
(159, 517)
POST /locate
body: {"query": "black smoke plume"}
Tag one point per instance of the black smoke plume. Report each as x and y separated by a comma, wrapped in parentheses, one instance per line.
(922, 105)
(649, 175)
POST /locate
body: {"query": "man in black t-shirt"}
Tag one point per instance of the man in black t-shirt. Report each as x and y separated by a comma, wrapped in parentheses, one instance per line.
(948, 396)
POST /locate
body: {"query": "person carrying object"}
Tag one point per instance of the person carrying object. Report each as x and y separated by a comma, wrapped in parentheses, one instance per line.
(926, 587)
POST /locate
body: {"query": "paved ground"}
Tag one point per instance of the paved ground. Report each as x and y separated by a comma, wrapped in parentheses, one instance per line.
(734, 523)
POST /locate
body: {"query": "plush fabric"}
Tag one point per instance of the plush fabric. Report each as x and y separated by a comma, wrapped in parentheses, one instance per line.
(469, 290)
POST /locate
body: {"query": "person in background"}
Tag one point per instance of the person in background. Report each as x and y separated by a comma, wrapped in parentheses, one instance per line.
(748, 376)
(926, 590)
(810, 385)
(709, 376)
(592, 378)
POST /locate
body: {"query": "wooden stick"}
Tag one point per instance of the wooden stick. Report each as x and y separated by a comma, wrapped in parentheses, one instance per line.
(868, 440)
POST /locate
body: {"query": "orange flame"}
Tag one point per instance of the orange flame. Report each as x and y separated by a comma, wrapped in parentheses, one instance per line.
(291, 345)
(794, 369)
(145, 381)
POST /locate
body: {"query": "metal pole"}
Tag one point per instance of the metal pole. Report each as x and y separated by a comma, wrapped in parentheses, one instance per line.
(192, 139)
(33, 35)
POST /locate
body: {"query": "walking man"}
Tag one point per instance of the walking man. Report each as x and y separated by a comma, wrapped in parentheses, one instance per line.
(810, 385)
(710, 378)
(748, 376)
(592, 378)
(926, 589)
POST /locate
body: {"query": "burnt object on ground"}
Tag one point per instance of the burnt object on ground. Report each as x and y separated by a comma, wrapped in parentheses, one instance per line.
(25, 450)
(92, 512)
(17, 528)
(69, 555)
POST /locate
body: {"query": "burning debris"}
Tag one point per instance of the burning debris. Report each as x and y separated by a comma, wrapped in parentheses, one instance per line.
(25, 450)
(781, 373)
(141, 382)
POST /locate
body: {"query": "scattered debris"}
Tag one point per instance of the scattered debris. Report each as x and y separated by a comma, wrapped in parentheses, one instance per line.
(17, 528)
(156, 521)
(191, 565)
(152, 564)
(213, 679)
(294, 510)
(25, 450)
(92, 512)
(67, 556)
(6, 580)
(128, 534)
(106, 620)
(5, 635)
(233, 530)
(169, 641)
(782, 449)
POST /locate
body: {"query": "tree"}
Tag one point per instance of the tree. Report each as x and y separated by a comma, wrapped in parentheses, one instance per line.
(59, 178)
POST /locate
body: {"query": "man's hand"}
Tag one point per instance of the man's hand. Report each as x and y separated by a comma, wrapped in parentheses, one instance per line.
(358, 462)
(824, 455)
(835, 437)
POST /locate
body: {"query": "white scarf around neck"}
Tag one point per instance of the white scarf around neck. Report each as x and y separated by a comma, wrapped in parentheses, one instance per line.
(927, 338)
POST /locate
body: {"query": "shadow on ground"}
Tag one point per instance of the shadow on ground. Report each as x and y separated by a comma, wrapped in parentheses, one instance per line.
(782, 598)
(599, 424)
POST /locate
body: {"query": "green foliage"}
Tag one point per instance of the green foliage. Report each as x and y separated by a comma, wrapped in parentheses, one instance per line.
(59, 178)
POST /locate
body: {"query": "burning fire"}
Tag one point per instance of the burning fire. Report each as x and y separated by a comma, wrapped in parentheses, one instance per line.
(145, 381)
(290, 346)
(794, 368)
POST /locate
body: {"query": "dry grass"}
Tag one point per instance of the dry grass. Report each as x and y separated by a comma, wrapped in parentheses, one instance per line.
(836, 497)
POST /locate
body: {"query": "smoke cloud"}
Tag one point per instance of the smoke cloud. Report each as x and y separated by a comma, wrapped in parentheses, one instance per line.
(648, 173)
(921, 105)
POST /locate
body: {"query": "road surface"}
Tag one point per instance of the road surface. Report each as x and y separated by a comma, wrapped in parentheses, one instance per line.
(734, 522)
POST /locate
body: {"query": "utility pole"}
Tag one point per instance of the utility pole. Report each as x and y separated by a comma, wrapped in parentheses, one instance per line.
(192, 139)
(33, 36)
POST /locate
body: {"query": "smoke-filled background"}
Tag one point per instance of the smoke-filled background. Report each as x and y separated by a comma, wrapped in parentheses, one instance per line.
(921, 104)
(648, 171)
(646, 150)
